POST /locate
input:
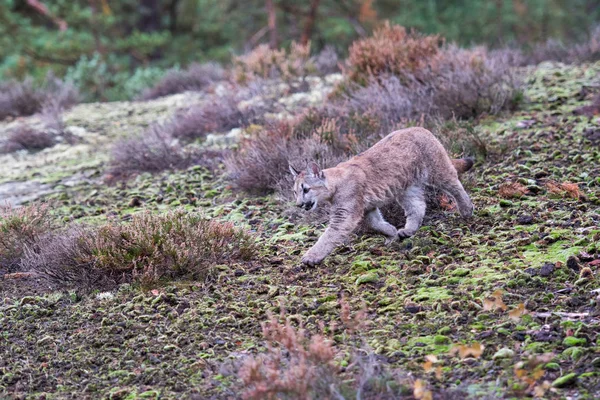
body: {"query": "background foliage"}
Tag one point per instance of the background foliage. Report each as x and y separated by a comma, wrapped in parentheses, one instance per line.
(112, 49)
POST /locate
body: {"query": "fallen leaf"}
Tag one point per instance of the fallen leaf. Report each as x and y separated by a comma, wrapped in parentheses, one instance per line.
(517, 312)
(474, 350)
(512, 190)
(420, 391)
(494, 302)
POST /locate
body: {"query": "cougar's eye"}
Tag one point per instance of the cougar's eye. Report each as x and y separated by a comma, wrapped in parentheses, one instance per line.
(305, 189)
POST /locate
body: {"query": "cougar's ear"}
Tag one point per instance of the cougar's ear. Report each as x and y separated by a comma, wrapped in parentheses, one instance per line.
(293, 170)
(314, 170)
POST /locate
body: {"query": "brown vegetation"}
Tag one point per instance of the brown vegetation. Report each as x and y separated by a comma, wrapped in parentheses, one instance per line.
(511, 190)
(393, 50)
(146, 250)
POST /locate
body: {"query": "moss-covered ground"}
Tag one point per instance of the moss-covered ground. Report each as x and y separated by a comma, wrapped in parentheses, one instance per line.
(421, 295)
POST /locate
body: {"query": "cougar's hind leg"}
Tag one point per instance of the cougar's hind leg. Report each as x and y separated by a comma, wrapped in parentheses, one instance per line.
(456, 190)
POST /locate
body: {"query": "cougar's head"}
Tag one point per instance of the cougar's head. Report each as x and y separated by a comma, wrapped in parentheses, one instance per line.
(310, 187)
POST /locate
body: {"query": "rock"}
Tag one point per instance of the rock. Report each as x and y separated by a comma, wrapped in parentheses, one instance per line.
(546, 269)
(525, 220)
(531, 271)
(565, 380)
(413, 308)
(573, 263)
(135, 202)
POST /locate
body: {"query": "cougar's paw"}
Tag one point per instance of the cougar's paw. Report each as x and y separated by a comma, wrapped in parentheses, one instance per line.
(389, 240)
(312, 259)
(403, 234)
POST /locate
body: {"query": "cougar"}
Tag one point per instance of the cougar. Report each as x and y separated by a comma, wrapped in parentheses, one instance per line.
(398, 167)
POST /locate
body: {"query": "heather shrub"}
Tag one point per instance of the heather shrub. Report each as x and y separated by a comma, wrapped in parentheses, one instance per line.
(392, 50)
(464, 84)
(326, 61)
(154, 150)
(260, 164)
(24, 137)
(264, 62)
(160, 148)
(569, 53)
(196, 77)
(294, 366)
(27, 98)
(148, 249)
(216, 114)
(297, 364)
(66, 256)
(21, 228)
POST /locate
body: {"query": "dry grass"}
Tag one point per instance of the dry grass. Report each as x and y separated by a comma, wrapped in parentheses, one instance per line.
(512, 190)
(566, 189)
(148, 249)
(196, 77)
(21, 228)
(161, 146)
(261, 162)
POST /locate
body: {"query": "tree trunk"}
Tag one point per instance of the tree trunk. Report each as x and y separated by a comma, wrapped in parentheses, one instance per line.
(150, 21)
(272, 23)
(173, 15)
(310, 22)
(149, 16)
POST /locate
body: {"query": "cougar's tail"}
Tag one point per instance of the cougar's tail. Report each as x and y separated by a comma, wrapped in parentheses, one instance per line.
(463, 164)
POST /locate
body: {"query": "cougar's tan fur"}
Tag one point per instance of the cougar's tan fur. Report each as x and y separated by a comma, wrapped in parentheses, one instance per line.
(397, 168)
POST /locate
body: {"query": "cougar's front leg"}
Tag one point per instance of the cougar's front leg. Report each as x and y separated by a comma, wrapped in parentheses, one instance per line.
(341, 224)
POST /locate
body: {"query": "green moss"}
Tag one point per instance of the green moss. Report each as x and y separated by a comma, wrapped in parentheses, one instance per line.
(571, 341)
(441, 339)
(432, 294)
(371, 277)
(565, 380)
